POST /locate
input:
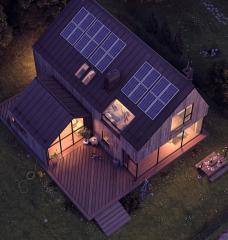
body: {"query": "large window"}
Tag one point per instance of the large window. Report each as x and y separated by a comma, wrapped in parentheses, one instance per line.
(170, 147)
(181, 139)
(118, 115)
(68, 137)
(193, 131)
(181, 118)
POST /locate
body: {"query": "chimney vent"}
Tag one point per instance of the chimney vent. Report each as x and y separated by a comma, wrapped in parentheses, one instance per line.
(112, 78)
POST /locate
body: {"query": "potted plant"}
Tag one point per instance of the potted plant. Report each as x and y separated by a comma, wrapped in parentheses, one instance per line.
(85, 133)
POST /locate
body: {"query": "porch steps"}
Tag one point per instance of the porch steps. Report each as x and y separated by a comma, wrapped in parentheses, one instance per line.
(112, 218)
(219, 174)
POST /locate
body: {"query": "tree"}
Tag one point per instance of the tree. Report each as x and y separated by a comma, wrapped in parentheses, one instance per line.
(5, 31)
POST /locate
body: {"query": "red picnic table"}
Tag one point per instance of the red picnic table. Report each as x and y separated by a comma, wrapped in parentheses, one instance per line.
(214, 164)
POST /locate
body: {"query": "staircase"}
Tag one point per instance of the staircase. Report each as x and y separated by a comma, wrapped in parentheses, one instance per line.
(112, 218)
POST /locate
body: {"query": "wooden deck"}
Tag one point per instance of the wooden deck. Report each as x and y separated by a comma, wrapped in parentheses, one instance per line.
(91, 184)
(94, 185)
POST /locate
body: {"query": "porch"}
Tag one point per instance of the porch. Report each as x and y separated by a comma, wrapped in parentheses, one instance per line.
(91, 184)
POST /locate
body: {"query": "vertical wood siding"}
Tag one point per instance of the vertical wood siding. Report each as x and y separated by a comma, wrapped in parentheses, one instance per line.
(163, 134)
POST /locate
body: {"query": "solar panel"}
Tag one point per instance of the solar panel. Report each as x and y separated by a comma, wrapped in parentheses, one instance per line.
(93, 39)
(77, 26)
(169, 94)
(151, 78)
(144, 79)
(146, 102)
(80, 16)
(68, 30)
(155, 109)
(149, 90)
(160, 86)
(107, 52)
(143, 70)
(138, 94)
(87, 21)
(130, 86)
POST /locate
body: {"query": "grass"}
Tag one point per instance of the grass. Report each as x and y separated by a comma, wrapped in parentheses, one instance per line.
(182, 207)
(198, 27)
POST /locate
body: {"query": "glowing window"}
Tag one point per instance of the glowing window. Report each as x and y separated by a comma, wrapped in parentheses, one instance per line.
(77, 123)
(82, 70)
(118, 115)
(89, 76)
(182, 117)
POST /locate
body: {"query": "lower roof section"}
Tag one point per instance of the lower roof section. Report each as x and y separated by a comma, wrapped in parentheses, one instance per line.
(45, 108)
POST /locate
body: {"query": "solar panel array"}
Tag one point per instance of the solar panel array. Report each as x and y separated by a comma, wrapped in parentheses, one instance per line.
(93, 39)
(150, 90)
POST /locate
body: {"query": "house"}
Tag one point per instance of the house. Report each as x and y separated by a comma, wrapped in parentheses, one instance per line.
(93, 72)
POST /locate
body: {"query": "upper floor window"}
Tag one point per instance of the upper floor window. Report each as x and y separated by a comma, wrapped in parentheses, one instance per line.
(182, 117)
(82, 70)
(89, 76)
(118, 115)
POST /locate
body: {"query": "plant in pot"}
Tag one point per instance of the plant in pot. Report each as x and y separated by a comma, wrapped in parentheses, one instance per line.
(86, 134)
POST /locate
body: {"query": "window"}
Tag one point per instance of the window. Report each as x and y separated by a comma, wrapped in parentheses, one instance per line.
(77, 123)
(68, 137)
(82, 70)
(117, 115)
(193, 131)
(105, 138)
(90, 75)
(182, 117)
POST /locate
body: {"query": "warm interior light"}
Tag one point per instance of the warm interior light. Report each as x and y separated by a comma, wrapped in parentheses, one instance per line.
(89, 76)
(118, 114)
(82, 70)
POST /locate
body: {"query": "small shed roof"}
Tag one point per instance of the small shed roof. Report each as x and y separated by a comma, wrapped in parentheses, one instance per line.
(45, 109)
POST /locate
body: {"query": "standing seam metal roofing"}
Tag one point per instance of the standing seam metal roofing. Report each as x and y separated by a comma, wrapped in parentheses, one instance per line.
(43, 114)
(66, 60)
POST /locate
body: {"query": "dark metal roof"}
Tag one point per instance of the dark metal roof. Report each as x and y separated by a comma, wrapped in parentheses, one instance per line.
(45, 109)
(66, 60)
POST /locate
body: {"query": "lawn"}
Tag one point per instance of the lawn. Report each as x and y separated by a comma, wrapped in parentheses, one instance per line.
(181, 207)
(198, 27)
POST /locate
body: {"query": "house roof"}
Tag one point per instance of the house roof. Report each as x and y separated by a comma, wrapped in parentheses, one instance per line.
(66, 60)
(44, 109)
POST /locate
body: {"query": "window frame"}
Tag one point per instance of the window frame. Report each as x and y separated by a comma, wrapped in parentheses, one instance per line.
(103, 139)
(70, 134)
(185, 120)
(89, 76)
(84, 67)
